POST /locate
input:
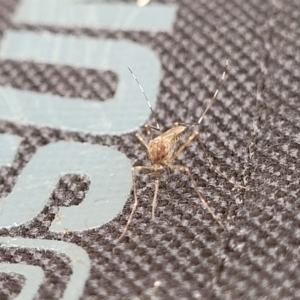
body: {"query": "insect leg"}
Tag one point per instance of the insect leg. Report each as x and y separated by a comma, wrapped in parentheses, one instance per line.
(142, 141)
(148, 130)
(188, 141)
(154, 201)
(133, 169)
(188, 172)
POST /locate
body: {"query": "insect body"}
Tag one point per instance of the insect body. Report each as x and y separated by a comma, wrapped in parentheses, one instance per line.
(162, 151)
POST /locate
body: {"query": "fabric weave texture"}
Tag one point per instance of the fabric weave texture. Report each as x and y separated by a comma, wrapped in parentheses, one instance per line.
(251, 134)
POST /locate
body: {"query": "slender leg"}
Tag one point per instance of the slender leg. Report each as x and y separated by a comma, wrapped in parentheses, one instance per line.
(186, 170)
(142, 141)
(188, 141)
(148, 130)
(133, 169)
(220, 173)
(154, 201)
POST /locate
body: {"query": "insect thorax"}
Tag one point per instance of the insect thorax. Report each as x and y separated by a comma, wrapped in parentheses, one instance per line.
(158, 151)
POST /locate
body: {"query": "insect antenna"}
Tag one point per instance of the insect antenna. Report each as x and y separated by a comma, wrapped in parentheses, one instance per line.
(215, 94)
(212, 100)
(141, 88)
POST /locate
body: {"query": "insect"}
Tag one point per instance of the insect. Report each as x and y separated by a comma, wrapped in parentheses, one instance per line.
(163, 149)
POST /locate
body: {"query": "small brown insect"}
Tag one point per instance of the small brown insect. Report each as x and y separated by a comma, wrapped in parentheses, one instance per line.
(162, 151)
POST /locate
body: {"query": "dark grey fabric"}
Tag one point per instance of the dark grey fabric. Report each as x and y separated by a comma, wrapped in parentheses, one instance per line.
(250, 134)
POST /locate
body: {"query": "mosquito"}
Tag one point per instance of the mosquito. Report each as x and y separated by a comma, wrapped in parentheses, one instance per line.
(163, 149)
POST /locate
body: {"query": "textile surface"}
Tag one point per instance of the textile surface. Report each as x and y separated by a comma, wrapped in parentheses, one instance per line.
(251, 135)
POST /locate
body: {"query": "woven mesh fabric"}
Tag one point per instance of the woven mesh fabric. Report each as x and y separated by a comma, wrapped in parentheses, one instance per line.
(251, 135)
